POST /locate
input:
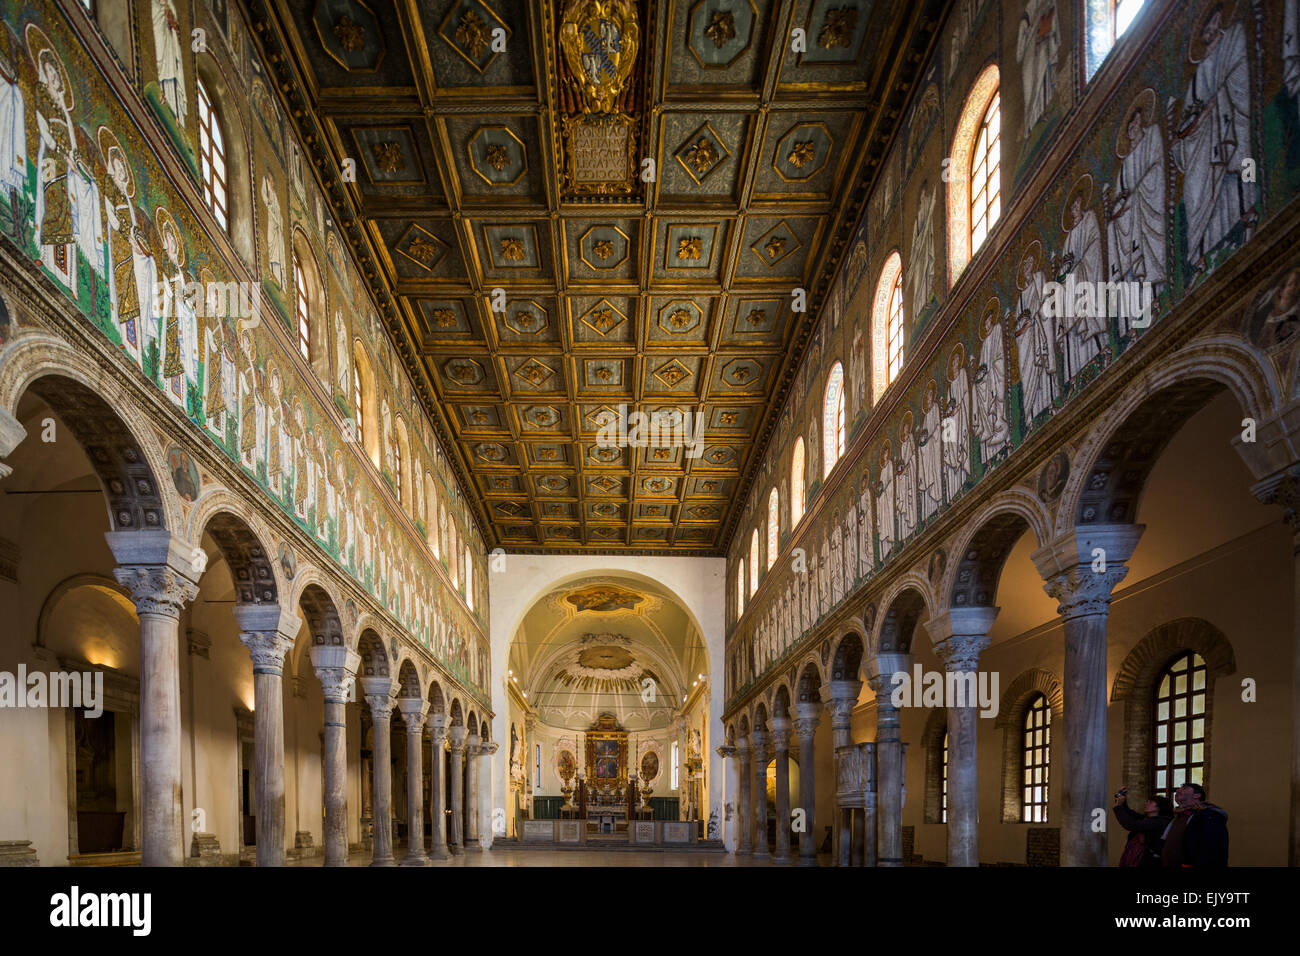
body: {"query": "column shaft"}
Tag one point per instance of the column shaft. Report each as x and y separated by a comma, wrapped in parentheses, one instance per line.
(454, 840)
(761, 850)
(382, 774)
(336, 783)
(743, 812)
(268, 746)
(160, 741)
(437, 797)
(781, 738)
(808, 791)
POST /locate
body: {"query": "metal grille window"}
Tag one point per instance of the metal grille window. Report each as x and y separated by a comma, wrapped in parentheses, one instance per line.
(1180, 724)
(1035, 758)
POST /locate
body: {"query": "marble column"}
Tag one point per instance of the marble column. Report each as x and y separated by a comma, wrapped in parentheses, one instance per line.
(960, 635)
(1283, 489)
(437, 789)
(1073, 573)
(890, 768)
(870, 834)
(456, 735)
(268, 630)
(379, 697)
(414, 710)
(840, 697)
(806, 729)
(156, 568)
(731, 778)
(760, 754)
(473, 745)
(486, 828)
(336, 668)
(744, 815)
(781, 746)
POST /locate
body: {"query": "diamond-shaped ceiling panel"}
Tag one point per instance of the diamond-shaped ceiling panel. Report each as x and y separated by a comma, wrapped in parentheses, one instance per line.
(569, 215)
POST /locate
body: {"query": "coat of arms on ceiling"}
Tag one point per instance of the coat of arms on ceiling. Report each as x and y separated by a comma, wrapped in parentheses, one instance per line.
(600, 40)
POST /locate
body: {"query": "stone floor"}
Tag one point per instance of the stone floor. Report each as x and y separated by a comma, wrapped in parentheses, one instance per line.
(549, 857)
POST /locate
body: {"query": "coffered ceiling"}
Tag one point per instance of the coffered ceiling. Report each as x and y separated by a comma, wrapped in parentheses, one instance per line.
(547, 249)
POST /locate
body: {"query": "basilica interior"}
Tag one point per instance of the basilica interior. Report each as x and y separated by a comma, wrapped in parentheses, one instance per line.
(701, 432)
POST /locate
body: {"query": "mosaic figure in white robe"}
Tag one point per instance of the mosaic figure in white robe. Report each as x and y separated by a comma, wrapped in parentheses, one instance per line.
(1082, 338)
(850, 546)
(885, 505)
(274, 232)
(866, 555)
(167, 57)
(1212, 139)
(836, 589)
(1038, 42)
(989, 395)
(956, 424)
(1035, 342)
(920, 258)
(905, 480)
(929, 441)
(1135, 215)
(13, 134)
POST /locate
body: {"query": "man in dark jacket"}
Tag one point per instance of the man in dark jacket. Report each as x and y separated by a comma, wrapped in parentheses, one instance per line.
(1198, 835)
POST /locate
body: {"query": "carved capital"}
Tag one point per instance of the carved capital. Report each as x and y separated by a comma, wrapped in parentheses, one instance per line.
(336, 669)
(438, 729)
(456, 735)
(725, 751)
(157, 589)
(805, 728)
(268, 649)
(413, 711)
(758, 748)
(488, 748)
(1081, 591)
(961, 652)
(1283, 490)
(780, 735)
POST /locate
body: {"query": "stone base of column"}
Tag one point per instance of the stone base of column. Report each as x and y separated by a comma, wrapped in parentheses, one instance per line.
(388, 862)
(439, 853)
(455, 850)
(415, 859)
(782, 858)
(473, 848)
(807, 860)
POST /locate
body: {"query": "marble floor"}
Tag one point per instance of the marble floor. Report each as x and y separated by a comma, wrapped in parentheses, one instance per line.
(593, 857)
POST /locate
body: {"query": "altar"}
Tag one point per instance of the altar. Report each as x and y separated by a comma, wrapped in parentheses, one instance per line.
(607, 796)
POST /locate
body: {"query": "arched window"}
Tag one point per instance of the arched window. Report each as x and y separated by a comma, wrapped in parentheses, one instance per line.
(1035, 758)
(358, 407)
(943, 809)
(675, 755)
(740, 589)
(363, 397)
(833, 419)
(1180, 723)
(887, 326)
(301, 308)
(537, 768)
(753, 561)
(1107, 22)
(773, 516)
(975, 171)
(986, 175)
(469, 577)
(894, 330)
(212, 158)
(397, 465)
(796, 483)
